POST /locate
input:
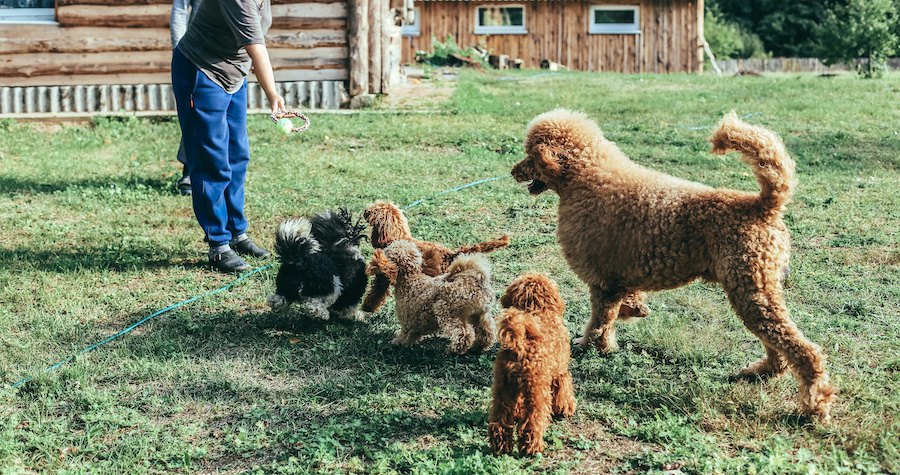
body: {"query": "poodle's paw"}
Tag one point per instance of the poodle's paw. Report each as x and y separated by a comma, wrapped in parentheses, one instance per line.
(606, 341)
(530, 443)
(582, 341)
(761, 370)
(352, 314)
(818, 398)
(317, 310)
(501, 438)
(564, 408)
(400, 339)
(277, 303)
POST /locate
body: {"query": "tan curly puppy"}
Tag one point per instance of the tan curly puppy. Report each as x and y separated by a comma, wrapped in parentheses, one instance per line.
(457, 303)
(531, 373)
(389, 224)
(625, 228)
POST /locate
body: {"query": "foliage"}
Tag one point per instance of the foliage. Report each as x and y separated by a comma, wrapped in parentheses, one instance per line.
(729, 39)
(93, 237)
(861, 29)
(786, 29)
(442, 53)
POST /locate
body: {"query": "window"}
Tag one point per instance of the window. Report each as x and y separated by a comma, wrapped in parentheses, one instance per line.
(412, 28)
(615, 19)
(500, 20)
(27, 11)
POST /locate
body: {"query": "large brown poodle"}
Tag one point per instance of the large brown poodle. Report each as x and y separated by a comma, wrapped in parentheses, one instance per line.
(389, 224)
(625, 228)
(531, 373)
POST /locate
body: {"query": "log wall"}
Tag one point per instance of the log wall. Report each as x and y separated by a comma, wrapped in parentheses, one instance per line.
(558, 31)
(125, 45)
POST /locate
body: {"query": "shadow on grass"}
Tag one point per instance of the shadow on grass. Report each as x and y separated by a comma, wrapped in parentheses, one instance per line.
(11, 185)
(75, 260)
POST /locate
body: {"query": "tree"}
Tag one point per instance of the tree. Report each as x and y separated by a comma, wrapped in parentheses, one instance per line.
(860, 29)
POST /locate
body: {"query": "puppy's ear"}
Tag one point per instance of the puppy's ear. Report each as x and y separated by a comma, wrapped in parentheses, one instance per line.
(548, 158)
(381, 265)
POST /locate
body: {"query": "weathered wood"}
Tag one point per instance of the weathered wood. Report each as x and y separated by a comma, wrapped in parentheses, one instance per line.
(294, 23)
(310, 10)
(358, 36)
(376, 8)
(145, 16)
(279, 38)
(63, 3)
(163, 78)
(558, 31)
(48, 64)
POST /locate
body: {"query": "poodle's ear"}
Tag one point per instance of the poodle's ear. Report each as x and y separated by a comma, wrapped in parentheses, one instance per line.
(381, 265)
(548, 157)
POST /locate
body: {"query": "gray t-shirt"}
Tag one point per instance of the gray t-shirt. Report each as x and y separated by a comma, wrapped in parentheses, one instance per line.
(217, 34)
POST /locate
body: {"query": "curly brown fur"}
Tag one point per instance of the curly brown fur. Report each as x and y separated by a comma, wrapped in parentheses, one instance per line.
(389, 224)
(457, 304)
(626, 228)
(532, 381)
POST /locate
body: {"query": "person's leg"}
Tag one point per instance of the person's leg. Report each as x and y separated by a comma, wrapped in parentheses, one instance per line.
(183, 185)
(238, 159)
(202, 107)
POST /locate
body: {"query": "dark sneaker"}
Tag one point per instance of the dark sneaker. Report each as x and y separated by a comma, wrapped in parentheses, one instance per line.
(183, 185)
(228, 262)
(246, 247)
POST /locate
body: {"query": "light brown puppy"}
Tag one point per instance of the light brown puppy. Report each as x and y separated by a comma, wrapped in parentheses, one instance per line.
(389, 224)
(625, 228)
(457, 304)
(531, 373)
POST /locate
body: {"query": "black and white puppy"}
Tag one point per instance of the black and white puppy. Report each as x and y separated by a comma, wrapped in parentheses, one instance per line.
(322, 268)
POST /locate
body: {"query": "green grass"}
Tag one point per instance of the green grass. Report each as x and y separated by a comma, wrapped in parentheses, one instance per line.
(92, 238)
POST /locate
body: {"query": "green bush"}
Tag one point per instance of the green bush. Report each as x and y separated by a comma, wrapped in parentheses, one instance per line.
(441, 53)
(730, 40)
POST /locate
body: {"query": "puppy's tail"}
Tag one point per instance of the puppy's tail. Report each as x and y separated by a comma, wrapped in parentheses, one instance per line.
(470, 263)
(485, 247)
(764, 151)
(516, 329)
(294, 240)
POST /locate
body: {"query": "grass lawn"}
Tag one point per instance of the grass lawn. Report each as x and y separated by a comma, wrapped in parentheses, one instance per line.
(93, 237)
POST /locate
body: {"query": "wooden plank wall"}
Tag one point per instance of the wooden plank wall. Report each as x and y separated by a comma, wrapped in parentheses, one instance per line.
(558, 31)
(127, 42)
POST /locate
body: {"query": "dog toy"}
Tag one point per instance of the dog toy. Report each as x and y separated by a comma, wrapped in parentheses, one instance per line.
(283, 119)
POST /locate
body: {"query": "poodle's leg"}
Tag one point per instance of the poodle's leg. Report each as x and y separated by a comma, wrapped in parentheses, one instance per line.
(407, 337)
(378, 293)
(278, 303)
(563, 395)
(485, 331)
(502, 418)
(315, 308)
(537, 409)
(773, 364)
(351, 313)
(761, 306)
(459, 330)
(633, 306)
(605, 305)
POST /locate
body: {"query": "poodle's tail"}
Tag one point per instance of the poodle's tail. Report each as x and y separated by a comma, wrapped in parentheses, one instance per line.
(516, 328)
(476, 263)
(294, 240)
(482, 247)
(764, 151)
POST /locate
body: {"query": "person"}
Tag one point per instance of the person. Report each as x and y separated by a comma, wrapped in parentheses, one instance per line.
(182, 12)
(209, 77)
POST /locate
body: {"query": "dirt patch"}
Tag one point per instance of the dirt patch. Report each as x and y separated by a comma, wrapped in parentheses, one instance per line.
(421, 91)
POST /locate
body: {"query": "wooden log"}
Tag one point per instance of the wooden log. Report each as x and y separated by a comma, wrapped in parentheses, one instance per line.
(55, 39)
(47, 64)
(109, 3)
(309, 16)
(375, 15)
(358, 35)
(163, 78)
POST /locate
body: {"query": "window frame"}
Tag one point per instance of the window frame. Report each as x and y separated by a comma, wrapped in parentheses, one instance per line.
(27, 16)
(416, 28)
(502, 30)
(615, 28)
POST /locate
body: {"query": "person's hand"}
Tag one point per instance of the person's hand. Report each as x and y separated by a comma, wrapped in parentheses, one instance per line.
(277, 104)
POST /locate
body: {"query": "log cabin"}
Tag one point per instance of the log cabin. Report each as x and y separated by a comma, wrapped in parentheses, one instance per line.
(628, 36)
(84, 57)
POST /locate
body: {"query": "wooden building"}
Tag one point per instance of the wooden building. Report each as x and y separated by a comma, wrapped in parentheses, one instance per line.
(631, 36)
(102, 56)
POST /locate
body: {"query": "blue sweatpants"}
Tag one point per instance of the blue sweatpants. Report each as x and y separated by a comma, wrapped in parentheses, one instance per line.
(214, 132)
